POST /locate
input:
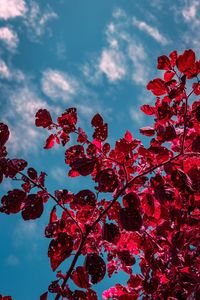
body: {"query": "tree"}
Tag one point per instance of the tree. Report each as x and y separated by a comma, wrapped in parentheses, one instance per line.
(145, 203)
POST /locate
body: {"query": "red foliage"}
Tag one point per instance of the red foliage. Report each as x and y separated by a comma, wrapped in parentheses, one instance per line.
(152, 217)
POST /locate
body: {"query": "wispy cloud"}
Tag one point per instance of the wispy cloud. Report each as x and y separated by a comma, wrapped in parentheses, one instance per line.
(189, 12)
(12, 9)
(36, 19)
(58, 85)
(136, 115)
(23, 103)
(112, 64)
(4, 70)
(9, 38)
(123, 57)
(150, 30)
(138, 56)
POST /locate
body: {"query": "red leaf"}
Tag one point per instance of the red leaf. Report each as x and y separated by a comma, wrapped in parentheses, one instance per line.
(85, 197)
(148, 131)
(50, 142)
(97, 120)
(59, 249)
(163, 63)
(101, 132)
(157, 86)
(126, 257)
(12, 203)
(111, 233)
(95, 266)
(80, 277)
(44, 296)
(131, 219)
(32, 173)
(186, 60)
(107, 180)
(43, 118)
(91, 295)
(196, 88)
(196, 144)
(84, 166)
(33, 208)
(131, 200)
(68, 120)
(4, 134)
(148, 110)
(168, 76)
(14, 166)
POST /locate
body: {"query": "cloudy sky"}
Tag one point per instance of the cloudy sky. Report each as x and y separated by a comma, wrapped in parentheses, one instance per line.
(96, 55)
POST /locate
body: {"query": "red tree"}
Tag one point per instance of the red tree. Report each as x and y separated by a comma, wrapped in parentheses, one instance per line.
(145, 203)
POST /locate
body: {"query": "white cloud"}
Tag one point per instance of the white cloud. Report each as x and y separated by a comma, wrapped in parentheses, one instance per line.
(25, 232)
(138, 57)
(9, 38)
(36, 19)
(152, 31)
(4, 70)
(12, 260)
(23, 103)
(112, 64)
(12, 8)
(59, 174)
(136, 115)
(122, 57)
(58, 85)
(189, 12)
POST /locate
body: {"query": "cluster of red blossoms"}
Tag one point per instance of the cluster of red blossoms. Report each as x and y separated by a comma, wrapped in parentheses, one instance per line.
(145, 205)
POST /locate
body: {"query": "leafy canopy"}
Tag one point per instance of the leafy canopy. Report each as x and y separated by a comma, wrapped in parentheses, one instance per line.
(145, 203)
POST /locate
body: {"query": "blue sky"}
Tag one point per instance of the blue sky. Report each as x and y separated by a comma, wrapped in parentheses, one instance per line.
(95, 55)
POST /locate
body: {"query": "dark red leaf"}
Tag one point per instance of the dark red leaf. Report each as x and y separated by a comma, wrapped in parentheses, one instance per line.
(68, 120)
(4, 134)
(101, 132)
(126, 257)
(148, 131)
(163, 63)
(111, 233)
(80, 277)
(84, 166)
(44, 296)
(74, 152)
(43, 118)
(33, 207)
(97, 120)
(91, 295)
(12, 202)
(181, 180)
(131, 219)
(85, 197)
(107, 180)
(196, 144)
(131, 200)
(95, 266)
(164, 192)
(32, 173)
(59, 249)
(14, 166)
